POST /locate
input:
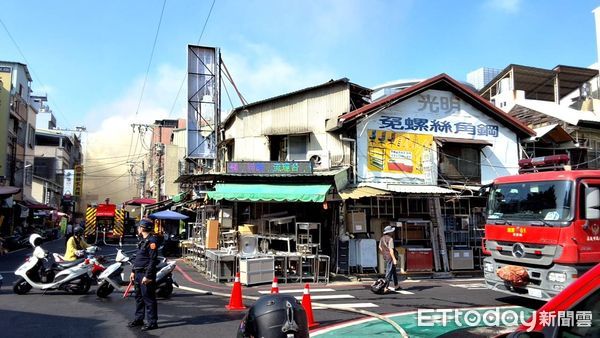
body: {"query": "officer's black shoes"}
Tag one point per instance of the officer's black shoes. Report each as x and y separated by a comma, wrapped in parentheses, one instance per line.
(149, 327)
(135, 323)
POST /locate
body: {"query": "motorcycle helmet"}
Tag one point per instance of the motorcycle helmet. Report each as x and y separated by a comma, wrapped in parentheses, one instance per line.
(275, 316)
(35, 240)
(146, 224)
(78, 231)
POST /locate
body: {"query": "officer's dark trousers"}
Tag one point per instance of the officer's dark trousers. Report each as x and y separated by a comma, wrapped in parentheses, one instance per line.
(145, 300)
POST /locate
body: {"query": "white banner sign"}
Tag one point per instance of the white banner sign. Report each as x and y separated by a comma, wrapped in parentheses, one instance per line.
(68, 182)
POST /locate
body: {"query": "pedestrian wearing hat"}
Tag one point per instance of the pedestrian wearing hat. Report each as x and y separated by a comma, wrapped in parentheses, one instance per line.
(386, 247)
(143, 277)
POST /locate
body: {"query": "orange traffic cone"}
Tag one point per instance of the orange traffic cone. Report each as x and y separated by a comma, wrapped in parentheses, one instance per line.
(307, 305)
(274, 286)
(235, 302)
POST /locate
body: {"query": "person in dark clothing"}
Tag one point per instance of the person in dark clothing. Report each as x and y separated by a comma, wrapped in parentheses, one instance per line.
(144, 278)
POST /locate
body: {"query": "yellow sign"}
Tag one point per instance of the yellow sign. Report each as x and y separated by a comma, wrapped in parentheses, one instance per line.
(78, 182)
(5, 84)
(395, 152)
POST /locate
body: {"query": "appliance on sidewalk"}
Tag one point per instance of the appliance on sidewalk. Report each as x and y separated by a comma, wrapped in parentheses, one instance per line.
(256, 270)
(366, 254)
(461, 259)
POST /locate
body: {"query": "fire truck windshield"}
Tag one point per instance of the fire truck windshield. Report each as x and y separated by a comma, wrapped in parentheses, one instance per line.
(549, 202)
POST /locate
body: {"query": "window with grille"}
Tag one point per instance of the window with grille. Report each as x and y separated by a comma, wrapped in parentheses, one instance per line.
(460, 162)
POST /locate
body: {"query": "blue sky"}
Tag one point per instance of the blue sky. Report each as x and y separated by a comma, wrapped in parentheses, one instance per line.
(90, 57)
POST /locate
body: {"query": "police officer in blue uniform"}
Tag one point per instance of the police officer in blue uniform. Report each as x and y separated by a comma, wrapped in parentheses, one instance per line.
(144, 278)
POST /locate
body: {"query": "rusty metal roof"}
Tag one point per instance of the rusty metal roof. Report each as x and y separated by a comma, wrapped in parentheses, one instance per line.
(538, 83)
(329, 83)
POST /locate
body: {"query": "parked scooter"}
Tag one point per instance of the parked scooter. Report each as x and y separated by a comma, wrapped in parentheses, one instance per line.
(90, 253)
(41, 272)
(111, 278)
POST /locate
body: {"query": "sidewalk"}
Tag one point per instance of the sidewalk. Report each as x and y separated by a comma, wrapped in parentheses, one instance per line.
(198, 279)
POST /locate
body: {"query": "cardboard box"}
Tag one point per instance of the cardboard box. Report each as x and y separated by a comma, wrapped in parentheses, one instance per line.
(415, 233)
(212, 234)
(376, 227)
(356, 222)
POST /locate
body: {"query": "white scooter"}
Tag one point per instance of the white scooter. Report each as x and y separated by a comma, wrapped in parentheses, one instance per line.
(110, 279)
(72, 276)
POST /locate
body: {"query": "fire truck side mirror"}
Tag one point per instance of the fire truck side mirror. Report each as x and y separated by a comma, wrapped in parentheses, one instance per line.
(592, 203)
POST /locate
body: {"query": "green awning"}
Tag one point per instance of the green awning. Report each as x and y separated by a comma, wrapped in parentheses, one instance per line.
(270, 192)
(179, 197)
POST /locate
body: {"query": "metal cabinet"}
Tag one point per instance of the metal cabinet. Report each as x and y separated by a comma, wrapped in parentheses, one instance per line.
(366, 254)
(256, 270)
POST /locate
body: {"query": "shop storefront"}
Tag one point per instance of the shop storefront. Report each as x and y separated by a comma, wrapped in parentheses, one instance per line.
(267, 226)
(431, 147)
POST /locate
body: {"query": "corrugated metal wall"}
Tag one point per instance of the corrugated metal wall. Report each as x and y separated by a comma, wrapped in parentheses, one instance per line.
(299, 114)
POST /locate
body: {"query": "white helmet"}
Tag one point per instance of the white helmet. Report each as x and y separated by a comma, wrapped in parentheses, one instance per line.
(35, 240)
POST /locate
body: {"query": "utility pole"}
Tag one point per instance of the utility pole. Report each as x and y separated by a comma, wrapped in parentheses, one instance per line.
(142, 181)
(142, 129)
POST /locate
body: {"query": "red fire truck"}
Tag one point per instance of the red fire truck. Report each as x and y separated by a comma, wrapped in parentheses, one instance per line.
(545, 225)
(104, 223)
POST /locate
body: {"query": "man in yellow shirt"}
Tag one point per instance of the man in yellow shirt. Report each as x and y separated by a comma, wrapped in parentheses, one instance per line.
(75, 245)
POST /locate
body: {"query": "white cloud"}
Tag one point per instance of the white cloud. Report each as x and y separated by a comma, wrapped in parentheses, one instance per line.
(259, 73)
(510, 6)
(45, 90)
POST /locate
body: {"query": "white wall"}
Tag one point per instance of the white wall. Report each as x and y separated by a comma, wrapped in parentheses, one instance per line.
(500, 159)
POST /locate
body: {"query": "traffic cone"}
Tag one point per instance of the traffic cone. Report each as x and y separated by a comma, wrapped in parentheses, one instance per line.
(307, 305)
(274, 286)
(235, 301)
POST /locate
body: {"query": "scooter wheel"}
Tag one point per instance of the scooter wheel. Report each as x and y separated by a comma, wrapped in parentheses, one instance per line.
(21, 287)
(164, 291)
(84, 285)
(104, 290)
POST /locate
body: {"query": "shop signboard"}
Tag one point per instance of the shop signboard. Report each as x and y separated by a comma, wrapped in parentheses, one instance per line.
(78, 180)
(68, 182)
(396, 145)
(270, 167)
(5, 84)
(397, 152)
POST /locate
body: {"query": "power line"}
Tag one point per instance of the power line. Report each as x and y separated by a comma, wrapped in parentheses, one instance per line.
(151, 56)
(27, 63)
(109, 158)
(197, 43)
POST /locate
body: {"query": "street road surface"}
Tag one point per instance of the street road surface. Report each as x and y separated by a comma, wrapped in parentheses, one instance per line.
(190, 312)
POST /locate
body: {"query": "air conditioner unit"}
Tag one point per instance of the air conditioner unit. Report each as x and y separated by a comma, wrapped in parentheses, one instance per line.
(319, 158)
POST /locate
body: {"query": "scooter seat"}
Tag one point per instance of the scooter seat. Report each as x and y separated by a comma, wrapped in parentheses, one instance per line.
(70, 264)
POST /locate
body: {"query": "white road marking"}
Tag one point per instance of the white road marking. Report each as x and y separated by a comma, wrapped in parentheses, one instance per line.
(467, 279)
(404, 292)
(411, 281)
(472, 286)
(316, 297)
(347, 305)
(298, 291)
